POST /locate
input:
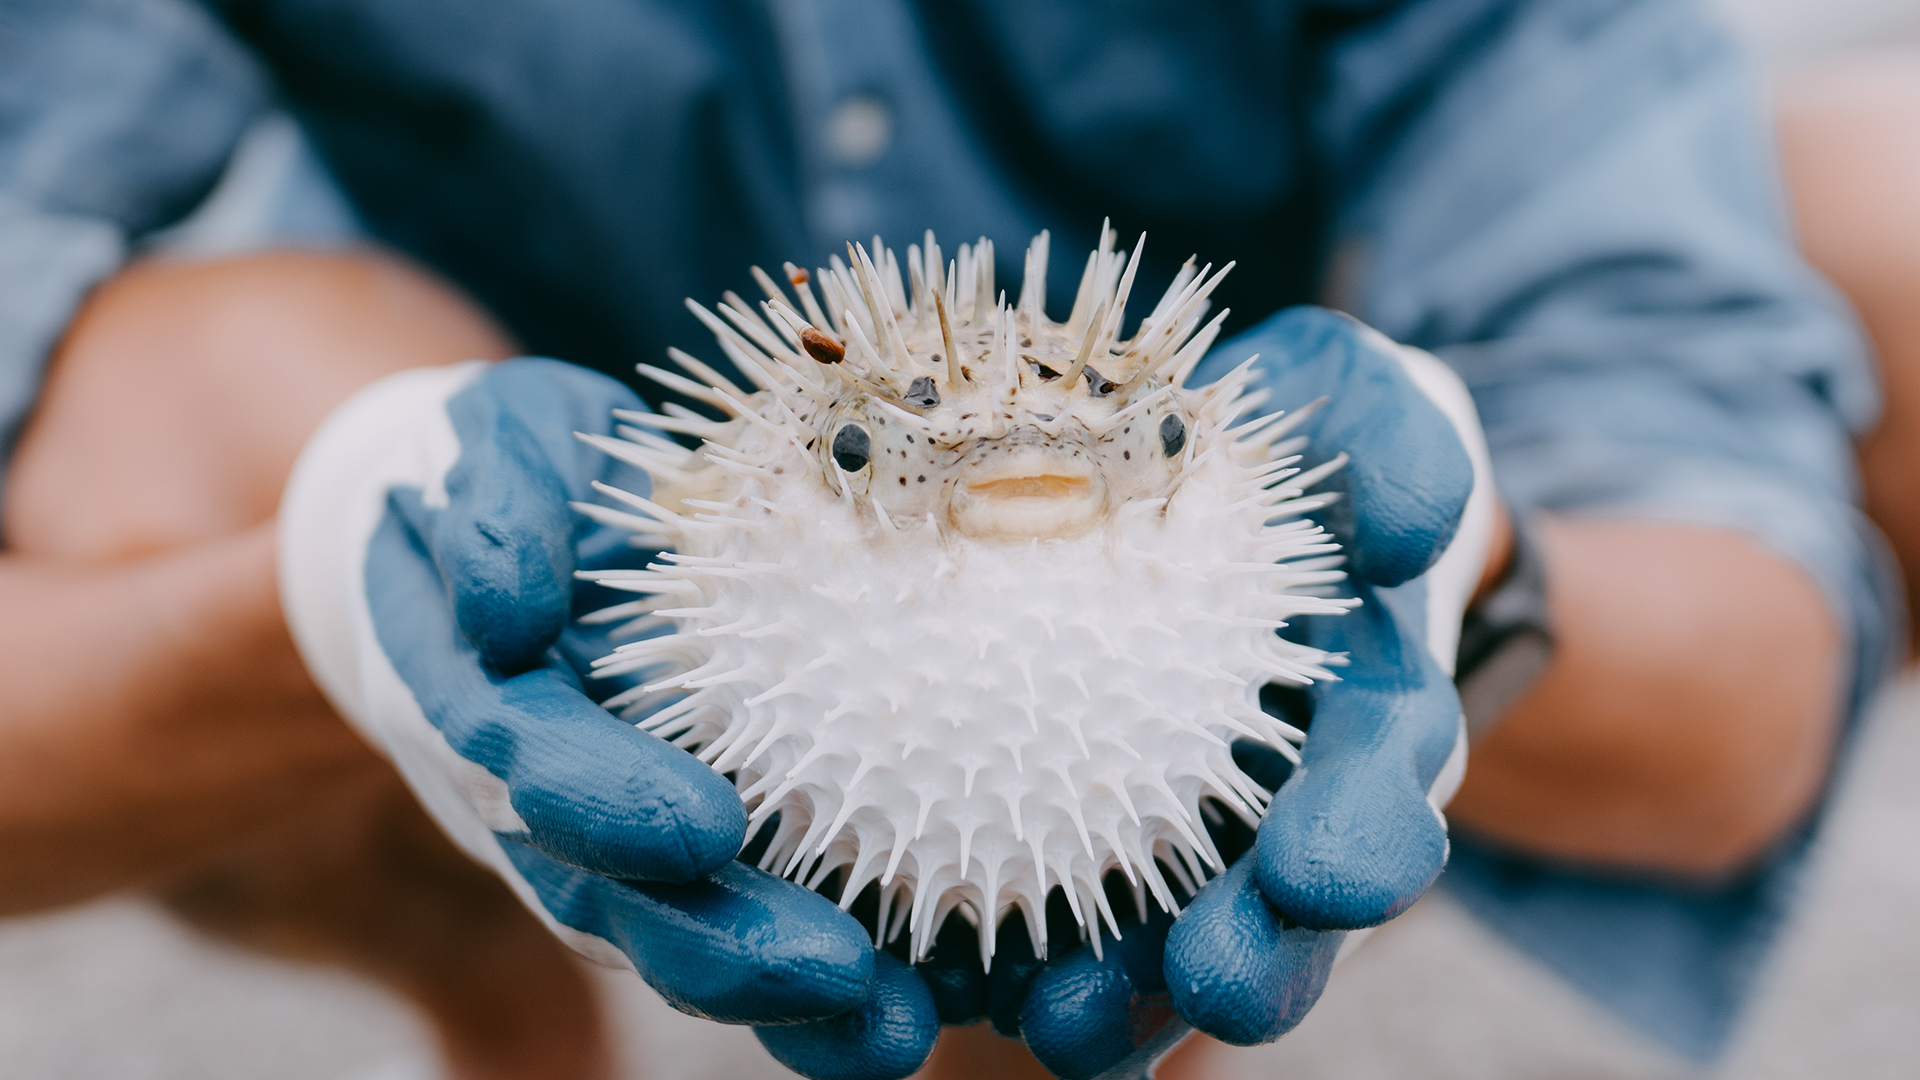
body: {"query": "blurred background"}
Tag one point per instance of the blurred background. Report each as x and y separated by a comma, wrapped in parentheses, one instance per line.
(116, 990)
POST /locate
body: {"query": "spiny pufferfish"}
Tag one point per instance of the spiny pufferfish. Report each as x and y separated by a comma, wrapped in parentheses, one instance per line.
(975, 601)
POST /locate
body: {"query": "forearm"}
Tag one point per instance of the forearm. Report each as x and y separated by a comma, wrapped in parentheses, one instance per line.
(156, 706)
(155, 713)
(1850, 139)
(1689, 714)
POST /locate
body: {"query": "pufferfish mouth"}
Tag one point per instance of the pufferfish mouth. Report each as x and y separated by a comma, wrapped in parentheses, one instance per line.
(1020, 504)
(1042, 486)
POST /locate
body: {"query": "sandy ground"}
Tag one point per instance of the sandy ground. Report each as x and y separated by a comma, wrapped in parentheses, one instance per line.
(115, 991)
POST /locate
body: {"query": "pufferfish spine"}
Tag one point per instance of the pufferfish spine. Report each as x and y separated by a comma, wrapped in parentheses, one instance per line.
(975, 601)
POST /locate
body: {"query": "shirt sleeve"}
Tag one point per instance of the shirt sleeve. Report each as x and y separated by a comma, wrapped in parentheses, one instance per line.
(116, 119)
(1577, 205)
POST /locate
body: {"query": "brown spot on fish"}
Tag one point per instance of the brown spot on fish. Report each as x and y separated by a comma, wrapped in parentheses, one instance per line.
(821, 347)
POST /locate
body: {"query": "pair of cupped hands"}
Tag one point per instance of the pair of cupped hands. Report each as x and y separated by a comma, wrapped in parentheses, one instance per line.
(623, 838)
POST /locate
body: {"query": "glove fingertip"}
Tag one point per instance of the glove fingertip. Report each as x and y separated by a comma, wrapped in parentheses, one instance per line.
(739, 946)
(1331, 870)
(1085, 1015)
(511, 563)
(603, 796)
(505, 539)
(555, 399)
(1408, 476)
(887, 1036)
(1075, 1015)
(1401, 527)
(1236, 971)
(1350, 840)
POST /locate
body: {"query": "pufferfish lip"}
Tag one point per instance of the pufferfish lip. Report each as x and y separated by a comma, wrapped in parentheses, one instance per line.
(1032, 498)
(1041, 486)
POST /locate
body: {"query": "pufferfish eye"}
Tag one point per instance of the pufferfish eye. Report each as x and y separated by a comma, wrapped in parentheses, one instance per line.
(853, 448)
(1173, 434)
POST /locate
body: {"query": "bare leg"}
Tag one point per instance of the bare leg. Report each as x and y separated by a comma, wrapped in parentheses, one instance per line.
(174, 736)
(1851, 139)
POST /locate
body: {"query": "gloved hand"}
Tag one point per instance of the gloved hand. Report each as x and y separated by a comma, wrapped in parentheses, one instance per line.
(1354, 835)
(427, 562)
(1237, 970)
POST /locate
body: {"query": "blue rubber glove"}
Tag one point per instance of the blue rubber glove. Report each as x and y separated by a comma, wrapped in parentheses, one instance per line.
(1354, 834)
(428, 558)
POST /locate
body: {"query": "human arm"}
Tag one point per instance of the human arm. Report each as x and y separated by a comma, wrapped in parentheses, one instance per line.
(150, 692)
(1576, 211)
(100, 736)
(1847, 138)
(1718, 744)
(166, 737)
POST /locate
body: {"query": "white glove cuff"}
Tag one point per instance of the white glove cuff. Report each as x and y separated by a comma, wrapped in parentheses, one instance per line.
(1454, 576)
(394, 433)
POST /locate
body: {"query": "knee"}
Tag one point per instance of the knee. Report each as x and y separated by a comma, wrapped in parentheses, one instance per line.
(1850, 136)
(1850, 145)
(183, 391)
(1688, 720)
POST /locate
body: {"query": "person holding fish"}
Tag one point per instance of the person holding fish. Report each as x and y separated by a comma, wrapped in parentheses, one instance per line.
(1589, 423)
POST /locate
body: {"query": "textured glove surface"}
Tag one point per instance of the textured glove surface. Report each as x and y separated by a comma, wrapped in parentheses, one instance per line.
(619, 835)
(1350, 839)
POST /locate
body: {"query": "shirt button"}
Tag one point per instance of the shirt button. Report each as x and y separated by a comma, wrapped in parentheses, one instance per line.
(858, 131)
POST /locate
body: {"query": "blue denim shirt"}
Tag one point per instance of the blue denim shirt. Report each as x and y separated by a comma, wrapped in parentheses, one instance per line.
(1573, 203)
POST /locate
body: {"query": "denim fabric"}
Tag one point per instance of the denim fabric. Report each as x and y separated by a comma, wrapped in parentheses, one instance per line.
(116, 118)
(1604, 258)
(1573, 203)
(47, 264)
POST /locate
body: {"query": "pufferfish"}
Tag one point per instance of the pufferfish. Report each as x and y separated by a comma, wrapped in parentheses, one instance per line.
(974, 601)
